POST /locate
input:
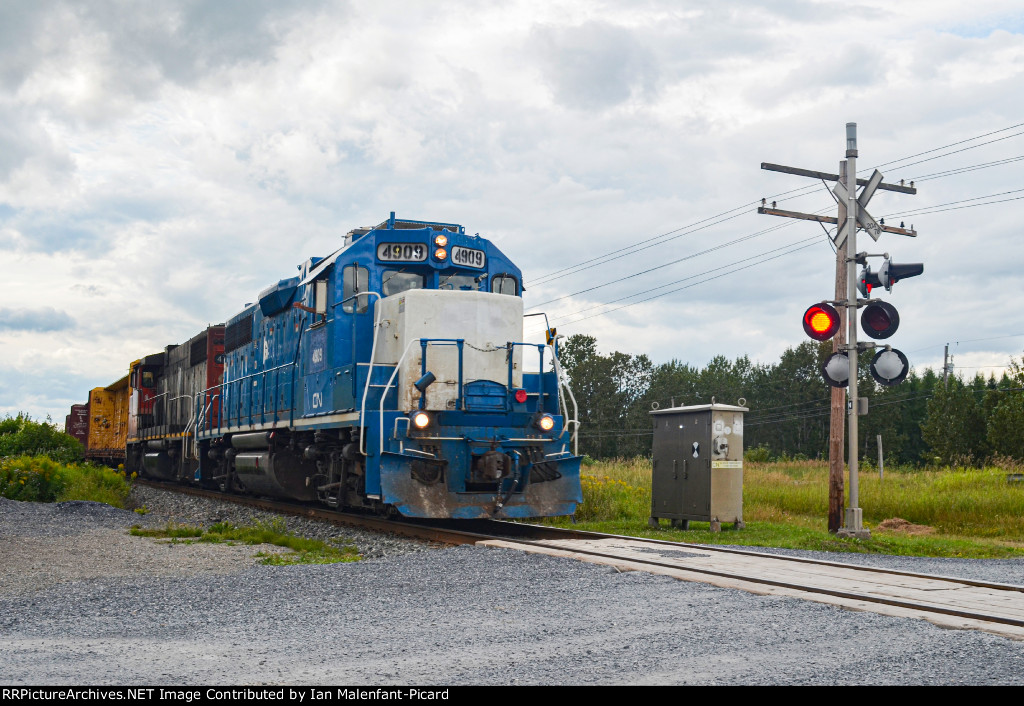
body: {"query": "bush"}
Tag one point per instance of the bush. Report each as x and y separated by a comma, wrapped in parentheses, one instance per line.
(758, 454)
(20, 436)
(41, 479)
(31, 478)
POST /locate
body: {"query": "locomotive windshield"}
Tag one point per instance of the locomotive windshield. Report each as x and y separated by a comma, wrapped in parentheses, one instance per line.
(398, 281)
(460, 282)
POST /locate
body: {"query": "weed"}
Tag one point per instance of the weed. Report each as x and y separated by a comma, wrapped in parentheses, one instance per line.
(975, 512)
(41, 479)
(303, 549)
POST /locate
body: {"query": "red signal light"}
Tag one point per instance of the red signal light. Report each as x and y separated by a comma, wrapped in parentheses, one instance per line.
(880, 319)
(821, 321)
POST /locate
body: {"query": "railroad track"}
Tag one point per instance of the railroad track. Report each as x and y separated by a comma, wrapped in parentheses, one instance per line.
(946, 601)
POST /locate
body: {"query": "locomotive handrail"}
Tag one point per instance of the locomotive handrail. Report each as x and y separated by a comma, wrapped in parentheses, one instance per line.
(459, 343)
(237, 382)
(369, 372)
(201, 420)
(575, 421)
(184, 434)
(383, 396)
(398, 366)
(510, 346)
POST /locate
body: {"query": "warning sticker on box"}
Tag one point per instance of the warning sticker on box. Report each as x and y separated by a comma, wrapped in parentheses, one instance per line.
(727, 464)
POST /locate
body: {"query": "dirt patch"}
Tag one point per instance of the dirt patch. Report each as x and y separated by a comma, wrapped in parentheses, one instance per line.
(898, 524)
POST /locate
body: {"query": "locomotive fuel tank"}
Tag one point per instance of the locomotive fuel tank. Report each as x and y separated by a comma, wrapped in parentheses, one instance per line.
(263, 470)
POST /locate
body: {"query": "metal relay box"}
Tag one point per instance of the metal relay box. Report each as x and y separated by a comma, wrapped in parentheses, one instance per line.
(697, 469)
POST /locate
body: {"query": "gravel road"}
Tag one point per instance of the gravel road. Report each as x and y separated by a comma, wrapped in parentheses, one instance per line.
(82, 602)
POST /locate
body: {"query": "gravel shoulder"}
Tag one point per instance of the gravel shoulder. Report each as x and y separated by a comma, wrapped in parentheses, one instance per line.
(82, 602)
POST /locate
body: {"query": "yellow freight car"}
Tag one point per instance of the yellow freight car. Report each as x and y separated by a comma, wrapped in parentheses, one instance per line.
(108, 423)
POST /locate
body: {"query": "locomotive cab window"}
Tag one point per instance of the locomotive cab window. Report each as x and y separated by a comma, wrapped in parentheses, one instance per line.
(320, 296)
(398, 281)
(505, 284)
(355, 280)
(143, 378)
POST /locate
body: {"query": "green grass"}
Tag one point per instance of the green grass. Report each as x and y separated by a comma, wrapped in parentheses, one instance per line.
(971, 513)
(302, 549)
(41, 479)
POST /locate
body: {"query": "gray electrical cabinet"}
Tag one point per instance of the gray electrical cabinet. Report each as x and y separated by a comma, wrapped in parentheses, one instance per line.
(698, 465)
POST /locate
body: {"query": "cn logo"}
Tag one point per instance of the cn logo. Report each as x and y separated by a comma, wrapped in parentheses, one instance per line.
(318, 400)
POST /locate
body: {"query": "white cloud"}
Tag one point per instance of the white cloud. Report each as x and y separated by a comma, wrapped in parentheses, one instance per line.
(158, 168)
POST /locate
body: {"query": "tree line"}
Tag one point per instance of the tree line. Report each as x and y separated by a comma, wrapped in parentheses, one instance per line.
(922, 421)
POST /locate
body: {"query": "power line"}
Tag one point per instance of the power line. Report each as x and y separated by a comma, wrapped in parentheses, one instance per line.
(964, 149)
(990, 338)
(725, 215)
(958, 208)
(953, 203)
(970, 168)
(685, 279)
(808, 243)
(716, 277)
(635, 247)
(742, 239)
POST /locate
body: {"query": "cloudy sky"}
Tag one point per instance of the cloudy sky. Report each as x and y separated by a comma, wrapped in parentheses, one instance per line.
(160, 164)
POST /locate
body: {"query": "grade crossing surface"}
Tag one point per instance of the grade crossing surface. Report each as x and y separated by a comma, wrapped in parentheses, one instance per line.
(946, 601)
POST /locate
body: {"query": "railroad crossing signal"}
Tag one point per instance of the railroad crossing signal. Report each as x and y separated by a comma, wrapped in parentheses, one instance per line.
(863, 217)
(888, 274)
(889, 367)
(836, 370)
(879, 319)
(821, 321)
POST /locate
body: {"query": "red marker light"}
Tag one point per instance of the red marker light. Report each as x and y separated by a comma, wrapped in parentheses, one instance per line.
(520, 396)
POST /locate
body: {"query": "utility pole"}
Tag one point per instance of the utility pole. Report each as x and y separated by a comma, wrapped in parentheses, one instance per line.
(852, 212)
(945, 368)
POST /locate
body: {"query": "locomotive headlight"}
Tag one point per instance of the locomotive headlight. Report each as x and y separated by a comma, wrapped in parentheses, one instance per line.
(441, 254)
(421, 420)
(441, 240)
(545, 422)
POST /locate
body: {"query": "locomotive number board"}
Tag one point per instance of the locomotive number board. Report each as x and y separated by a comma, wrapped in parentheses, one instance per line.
(402, 252)
(468, 257)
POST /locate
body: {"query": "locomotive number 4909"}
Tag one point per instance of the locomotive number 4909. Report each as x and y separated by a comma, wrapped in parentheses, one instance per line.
(468, 257)
(402, 252)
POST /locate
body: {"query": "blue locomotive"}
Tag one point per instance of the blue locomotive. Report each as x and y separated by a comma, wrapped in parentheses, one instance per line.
(389, 376)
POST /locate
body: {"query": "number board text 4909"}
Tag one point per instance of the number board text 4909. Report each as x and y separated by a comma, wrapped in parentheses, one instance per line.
(468, 257)
(402, 252)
